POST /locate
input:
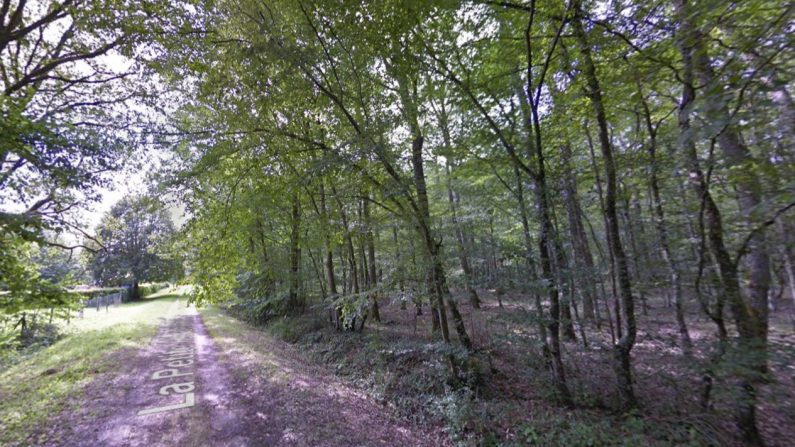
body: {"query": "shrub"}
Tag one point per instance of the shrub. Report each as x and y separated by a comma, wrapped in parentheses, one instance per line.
(151, 288)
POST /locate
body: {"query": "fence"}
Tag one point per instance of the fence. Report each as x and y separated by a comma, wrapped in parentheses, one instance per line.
(114, 299)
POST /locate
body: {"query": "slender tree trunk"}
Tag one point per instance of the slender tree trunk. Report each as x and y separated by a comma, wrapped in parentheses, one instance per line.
(354, 275)
(295, 302)
(474, 300)
(435, 276)
(329, 259)
(364, 277)
(318, 273)
(787, 255)
(531, 268)
(544, 244)
(662, 229)
(582, 253)
(624, 346)
(415, 270)
(443, 298)
(751, 320)
(749, 191)
(370, 239)
(399, 268)
(344, 267)
(615, 330)
(562, 272)
(494, 272)
(452, 196)
(532, 124)
(640, 275)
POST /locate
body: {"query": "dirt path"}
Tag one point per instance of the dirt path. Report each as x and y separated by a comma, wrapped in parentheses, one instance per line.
(185, 390)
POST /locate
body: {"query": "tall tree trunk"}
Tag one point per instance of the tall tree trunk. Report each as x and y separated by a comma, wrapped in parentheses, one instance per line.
(562, 272)
(750, 317)
(453, 198)
(443, 297)
(492, 244)
(474, 300)
(329, 258)
(370, 240)
(640, 274)
(624, 345)
(364, 277)
(295, 302)
(582, 253)
(354, 274)
(544, 245)
(787, 255)
(615, 330)
(566, 320)
(329, 261)
(749, 192)
(435, 276)
(531, 268)
(535, 149)
(662, 228)
(398, 271)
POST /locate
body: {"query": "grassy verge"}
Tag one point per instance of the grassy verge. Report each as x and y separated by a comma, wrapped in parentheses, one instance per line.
(250, 341)
(39, 387)
(43, 385)
(407, 375)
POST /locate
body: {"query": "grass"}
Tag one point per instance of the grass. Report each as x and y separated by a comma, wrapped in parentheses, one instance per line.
(38, 388)
(167, 303)
(406, 374)
(249, 343)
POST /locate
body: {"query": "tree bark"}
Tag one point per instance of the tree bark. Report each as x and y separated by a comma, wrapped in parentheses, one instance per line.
(662, 229)
(444, 299)
(751, 320)
(532, 124)
(453, 199)
(582, 253)
(531, 268)
(295, 303)
(329, 258)
(370, 240)
(624, 345)
(474, 300)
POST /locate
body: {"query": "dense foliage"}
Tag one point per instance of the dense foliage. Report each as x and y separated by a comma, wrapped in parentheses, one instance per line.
(347, 151)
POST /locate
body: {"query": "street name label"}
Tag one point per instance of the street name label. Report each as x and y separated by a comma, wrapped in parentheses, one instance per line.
(178, 358)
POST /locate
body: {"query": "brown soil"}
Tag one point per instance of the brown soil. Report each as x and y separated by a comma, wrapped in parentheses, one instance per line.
(238, 403)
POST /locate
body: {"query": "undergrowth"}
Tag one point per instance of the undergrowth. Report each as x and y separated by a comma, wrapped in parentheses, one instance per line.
(412, 376)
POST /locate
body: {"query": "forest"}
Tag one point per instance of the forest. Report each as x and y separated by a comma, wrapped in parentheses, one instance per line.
(559, 222)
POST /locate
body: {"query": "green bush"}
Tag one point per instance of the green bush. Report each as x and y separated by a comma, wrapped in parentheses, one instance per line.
(151, 288)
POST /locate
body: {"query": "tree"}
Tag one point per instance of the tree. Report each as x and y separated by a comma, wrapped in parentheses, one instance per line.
(133, 235)
(66, 119)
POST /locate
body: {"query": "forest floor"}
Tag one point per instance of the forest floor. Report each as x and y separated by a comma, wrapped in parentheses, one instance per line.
(400, 362)
(231, 385)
